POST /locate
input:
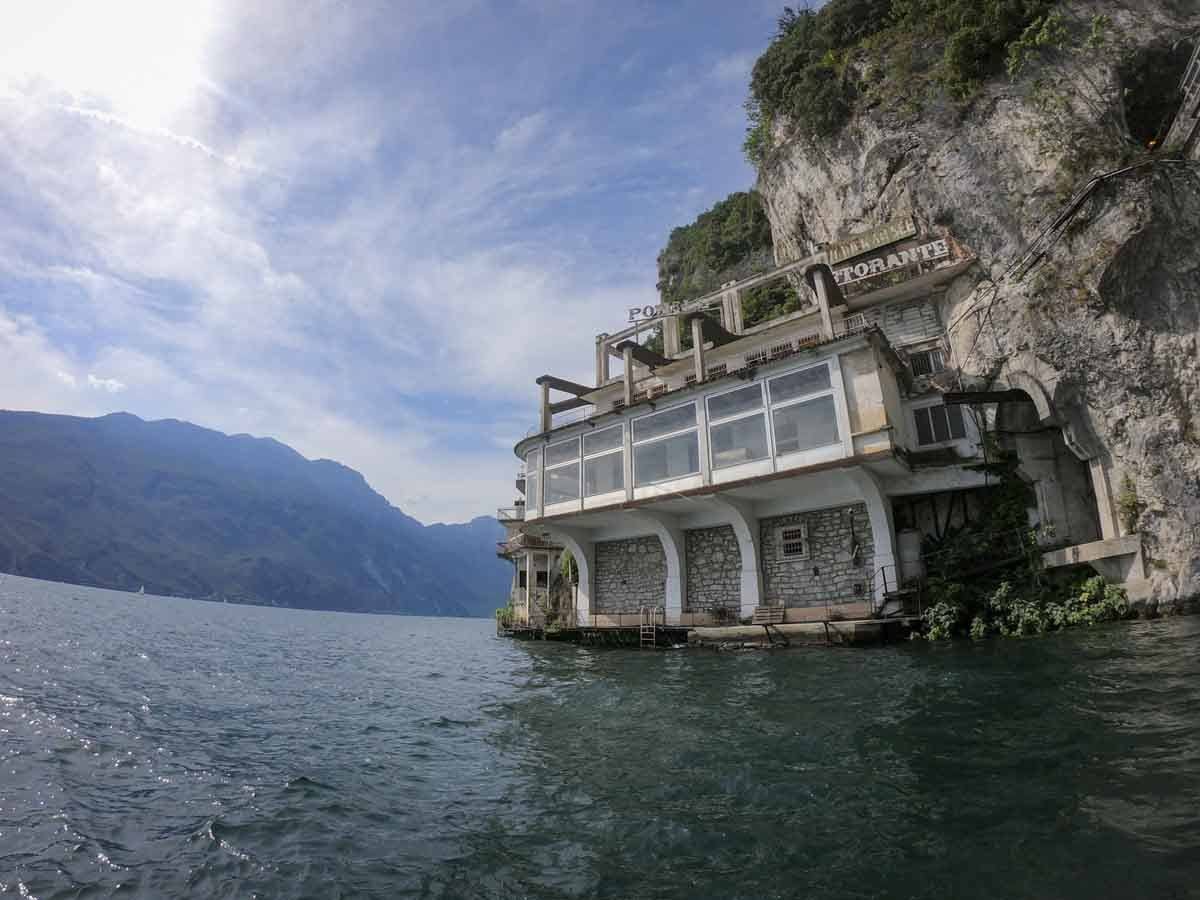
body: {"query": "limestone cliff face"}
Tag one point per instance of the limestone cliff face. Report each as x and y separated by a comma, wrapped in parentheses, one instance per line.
(1102, 329)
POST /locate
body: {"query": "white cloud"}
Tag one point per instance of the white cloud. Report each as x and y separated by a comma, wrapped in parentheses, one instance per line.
(110, 385)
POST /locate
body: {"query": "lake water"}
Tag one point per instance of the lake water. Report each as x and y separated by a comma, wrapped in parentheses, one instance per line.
(152, 747)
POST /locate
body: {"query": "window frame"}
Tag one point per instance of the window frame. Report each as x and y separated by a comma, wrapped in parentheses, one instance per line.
(576, 461)
(782, 541)
(831, 391)
(634, 443)
(763, 410)
(925, 408)
(536, 471)
(586, 457)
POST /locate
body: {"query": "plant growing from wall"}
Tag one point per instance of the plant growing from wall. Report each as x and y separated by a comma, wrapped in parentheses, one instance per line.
(1129, 508)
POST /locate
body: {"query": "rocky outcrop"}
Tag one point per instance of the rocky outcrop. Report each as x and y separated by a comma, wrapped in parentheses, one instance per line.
(1104, 322)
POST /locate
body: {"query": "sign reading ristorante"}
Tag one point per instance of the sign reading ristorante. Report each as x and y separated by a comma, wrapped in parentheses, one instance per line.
(889, 262)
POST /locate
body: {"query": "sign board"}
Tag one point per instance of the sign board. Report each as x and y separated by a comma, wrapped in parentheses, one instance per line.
(858, 244)
(662, 310)
(873, 267)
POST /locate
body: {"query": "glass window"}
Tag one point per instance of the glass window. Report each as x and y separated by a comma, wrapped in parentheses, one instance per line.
(531, 493)
(561, 453)
(665, 422)
(603, 474)
(672, 457)
(739, 441)
(562, 483)
(799, 384)
(533, 464)
(938, 424)
(803, 426)
(739, 401)
(604, 439)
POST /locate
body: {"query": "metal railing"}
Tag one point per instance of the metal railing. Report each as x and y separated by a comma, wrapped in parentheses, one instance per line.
(511, 513)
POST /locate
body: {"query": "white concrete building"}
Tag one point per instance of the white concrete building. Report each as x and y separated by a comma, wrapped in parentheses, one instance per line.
(793, 468)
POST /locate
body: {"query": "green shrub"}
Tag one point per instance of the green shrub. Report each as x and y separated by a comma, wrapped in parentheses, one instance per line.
(819, 64)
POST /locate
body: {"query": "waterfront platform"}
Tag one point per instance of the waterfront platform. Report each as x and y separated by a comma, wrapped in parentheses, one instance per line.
(844, 632)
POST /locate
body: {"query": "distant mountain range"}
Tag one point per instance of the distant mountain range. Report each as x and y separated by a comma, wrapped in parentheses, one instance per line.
(122, 503)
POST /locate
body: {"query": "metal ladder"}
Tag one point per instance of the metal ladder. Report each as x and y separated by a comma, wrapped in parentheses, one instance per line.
(648, 630)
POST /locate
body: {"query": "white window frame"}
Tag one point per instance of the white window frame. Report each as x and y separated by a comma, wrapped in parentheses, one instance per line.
(916, 436)
(536, 505)
(634, 444)
(782, 542)
(577, 461)
(830, 365)
(762, 410)
(585, 457)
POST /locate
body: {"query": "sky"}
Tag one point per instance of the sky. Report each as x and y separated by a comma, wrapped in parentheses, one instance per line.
(361, 228)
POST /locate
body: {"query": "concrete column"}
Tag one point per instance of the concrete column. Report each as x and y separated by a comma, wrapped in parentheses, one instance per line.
(879, 509)
(674, 549)
(698, 348)
(628, 356)
(1110, 524)
(547, 418)
(528, 586)
(584, 550)
(822, 288)
(740, 515)
(670, 327)
(601, 360)
(735, 312)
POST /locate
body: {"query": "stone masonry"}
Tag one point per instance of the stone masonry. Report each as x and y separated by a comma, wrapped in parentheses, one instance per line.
(832, 535)
(714, 565)
(630, 574)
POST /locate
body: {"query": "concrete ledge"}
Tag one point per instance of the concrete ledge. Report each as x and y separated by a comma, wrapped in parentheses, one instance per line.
(1086, 553)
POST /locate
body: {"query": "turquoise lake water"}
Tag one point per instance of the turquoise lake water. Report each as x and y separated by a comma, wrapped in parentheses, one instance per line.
(152, 747)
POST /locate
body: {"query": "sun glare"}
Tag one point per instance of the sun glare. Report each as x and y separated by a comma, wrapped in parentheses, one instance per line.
(139, 59)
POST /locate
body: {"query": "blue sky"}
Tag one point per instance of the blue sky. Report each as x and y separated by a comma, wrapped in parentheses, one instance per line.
(362, 228)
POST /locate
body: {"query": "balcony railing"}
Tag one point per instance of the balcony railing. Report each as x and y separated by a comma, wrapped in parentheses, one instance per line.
(511, 514)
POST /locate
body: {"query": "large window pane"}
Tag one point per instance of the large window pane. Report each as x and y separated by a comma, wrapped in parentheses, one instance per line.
(603, 474)
(739, 401)
(604, 439)
(531, 492)
(562, 484)
(664, 422)
(955, 417)
(798, 384)
(561, 453)
(672, 457)
(806, 425)
(738, 441)
(924, 428)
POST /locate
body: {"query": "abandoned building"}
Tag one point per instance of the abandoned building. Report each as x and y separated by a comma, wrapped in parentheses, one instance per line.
(797, 469)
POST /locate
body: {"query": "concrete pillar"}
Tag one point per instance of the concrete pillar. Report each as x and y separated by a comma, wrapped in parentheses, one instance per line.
(529, 579)
(879, 509)
(698, 348)
(731, 304)
(740, 515)
(584, 550)
(1110, 523)
(670, 327)
(601, 360)
(675, 551)
(818, 279)
(628, 358)
(547, 418)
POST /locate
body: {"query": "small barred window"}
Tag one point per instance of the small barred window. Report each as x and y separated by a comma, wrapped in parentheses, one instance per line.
(794, 541)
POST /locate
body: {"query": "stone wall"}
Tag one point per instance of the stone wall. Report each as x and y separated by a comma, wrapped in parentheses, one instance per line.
(714, 565)
(831, 535)
(630, 574)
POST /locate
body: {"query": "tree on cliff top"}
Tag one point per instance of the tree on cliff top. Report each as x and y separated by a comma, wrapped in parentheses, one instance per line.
(820, 64)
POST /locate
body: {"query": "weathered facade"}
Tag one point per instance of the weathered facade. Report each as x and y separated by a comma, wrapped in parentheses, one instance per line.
(938, 326)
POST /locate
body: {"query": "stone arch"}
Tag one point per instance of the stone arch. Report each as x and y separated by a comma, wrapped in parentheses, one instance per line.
(584, 551)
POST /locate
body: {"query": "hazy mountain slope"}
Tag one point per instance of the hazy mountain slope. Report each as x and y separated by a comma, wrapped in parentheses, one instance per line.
(119, 502)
